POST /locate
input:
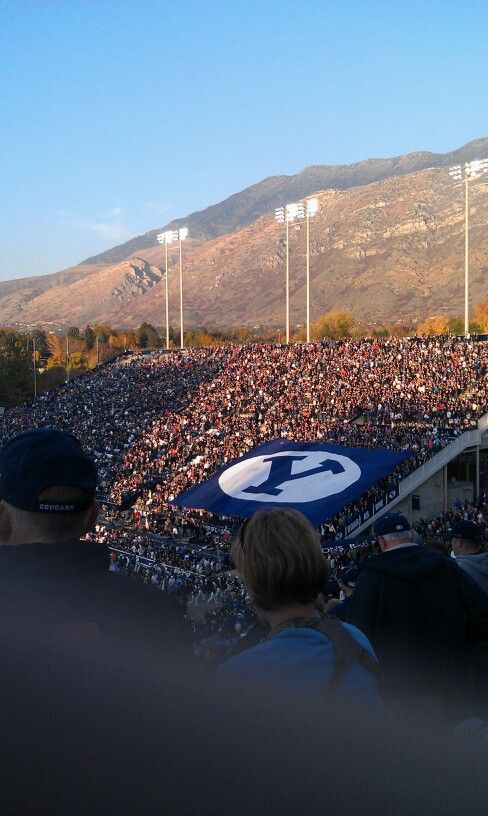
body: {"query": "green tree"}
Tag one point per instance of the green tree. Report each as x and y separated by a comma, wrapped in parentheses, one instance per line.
(40, 338)
(147, 336)
(89, 337)
(456, 326)
(16, 368)
(78, 361)
(51, 377)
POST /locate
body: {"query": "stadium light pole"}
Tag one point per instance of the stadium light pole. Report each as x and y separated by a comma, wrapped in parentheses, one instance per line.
(301, 211)
(182, 234)
(35, 367)
(285, 215)
(467, 172)
(166, 238)
(311, 209)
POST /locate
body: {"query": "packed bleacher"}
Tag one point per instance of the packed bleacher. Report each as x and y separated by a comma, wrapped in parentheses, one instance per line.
(404, 394)
(158, 424)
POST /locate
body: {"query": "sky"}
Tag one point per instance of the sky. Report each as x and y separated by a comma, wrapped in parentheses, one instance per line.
(120, 116)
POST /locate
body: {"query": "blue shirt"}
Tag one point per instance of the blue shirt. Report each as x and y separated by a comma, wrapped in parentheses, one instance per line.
(301, 660)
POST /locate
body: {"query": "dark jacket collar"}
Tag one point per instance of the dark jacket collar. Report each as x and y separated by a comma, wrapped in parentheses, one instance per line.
(62, 558)
(407, 562)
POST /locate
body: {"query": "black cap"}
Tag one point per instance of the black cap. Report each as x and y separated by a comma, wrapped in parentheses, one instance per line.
(465, 529)
(349, 576)
(391, 523)
(36, 460)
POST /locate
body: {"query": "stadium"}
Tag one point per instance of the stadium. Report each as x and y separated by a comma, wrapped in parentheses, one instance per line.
(244, 408)
(160, 423)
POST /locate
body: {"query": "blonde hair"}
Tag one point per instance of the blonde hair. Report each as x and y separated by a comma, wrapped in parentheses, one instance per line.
(278, 555)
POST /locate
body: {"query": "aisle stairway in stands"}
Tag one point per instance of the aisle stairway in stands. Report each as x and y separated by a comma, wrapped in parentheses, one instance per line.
(469, 439)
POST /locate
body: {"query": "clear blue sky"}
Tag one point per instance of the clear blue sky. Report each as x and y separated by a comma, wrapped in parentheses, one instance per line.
(118, 116)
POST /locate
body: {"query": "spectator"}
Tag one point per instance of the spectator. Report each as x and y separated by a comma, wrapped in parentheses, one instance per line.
(49, 578)
(281, 563)
(466, 547)
(421, 613)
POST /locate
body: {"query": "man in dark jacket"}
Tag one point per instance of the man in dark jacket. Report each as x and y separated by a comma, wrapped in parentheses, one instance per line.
(421, 612)
(466, 543)
(55, 584)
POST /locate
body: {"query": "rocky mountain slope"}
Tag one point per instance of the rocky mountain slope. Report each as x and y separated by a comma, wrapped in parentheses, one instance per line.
(244, 207)
(389, 249)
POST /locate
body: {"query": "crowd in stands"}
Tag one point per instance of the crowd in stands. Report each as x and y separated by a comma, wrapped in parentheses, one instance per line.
(435, 533)
(156, 424)
(204, 581)
(404, 394)
(110, 407)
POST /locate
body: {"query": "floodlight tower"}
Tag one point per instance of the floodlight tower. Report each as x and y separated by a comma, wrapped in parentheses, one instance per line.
(286, 215)
(166, 238)
(300, 211)
(311, 209)
(67, 357)
(35, 365)
(468, 172)
(169, 237)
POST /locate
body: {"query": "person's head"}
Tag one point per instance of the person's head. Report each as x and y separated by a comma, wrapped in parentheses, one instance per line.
(278, 555)
(393, 530)
(47, 488)
(347, 579)
(465, 538)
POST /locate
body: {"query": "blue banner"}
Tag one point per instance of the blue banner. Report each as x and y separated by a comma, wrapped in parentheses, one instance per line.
(317, 479)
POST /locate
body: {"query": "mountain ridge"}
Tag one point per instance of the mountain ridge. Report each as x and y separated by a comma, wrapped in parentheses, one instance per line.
(274, 191)
(388, 249)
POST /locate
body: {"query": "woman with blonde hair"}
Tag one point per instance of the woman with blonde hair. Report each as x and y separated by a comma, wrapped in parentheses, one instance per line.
(278, 556)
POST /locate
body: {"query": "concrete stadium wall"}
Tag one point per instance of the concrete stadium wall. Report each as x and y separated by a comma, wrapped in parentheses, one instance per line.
(431, 496)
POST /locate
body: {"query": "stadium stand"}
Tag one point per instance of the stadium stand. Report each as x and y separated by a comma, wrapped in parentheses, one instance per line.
(157, 423)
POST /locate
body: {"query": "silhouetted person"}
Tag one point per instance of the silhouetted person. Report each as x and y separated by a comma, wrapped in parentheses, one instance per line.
(422, 613)
(466, 543)
(50, 579)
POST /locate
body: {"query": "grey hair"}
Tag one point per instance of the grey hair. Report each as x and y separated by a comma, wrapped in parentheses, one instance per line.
(402, 537)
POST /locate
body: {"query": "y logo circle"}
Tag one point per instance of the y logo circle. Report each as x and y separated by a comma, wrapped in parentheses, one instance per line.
(289, 477)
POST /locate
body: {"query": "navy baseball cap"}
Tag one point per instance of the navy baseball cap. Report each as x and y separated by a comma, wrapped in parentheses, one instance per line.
(391, 523)
(36, 460)
(349, 576)
(465, 529)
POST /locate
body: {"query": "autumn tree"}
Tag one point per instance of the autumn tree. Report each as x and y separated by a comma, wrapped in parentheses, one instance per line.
(438, 324)
(57, 350)
(481, 315)
(335, 325)
(201, 337)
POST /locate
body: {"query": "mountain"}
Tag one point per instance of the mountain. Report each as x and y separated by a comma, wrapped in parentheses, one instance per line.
(75, 296)
(393, 250)
(243, 208)
(387, 249)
